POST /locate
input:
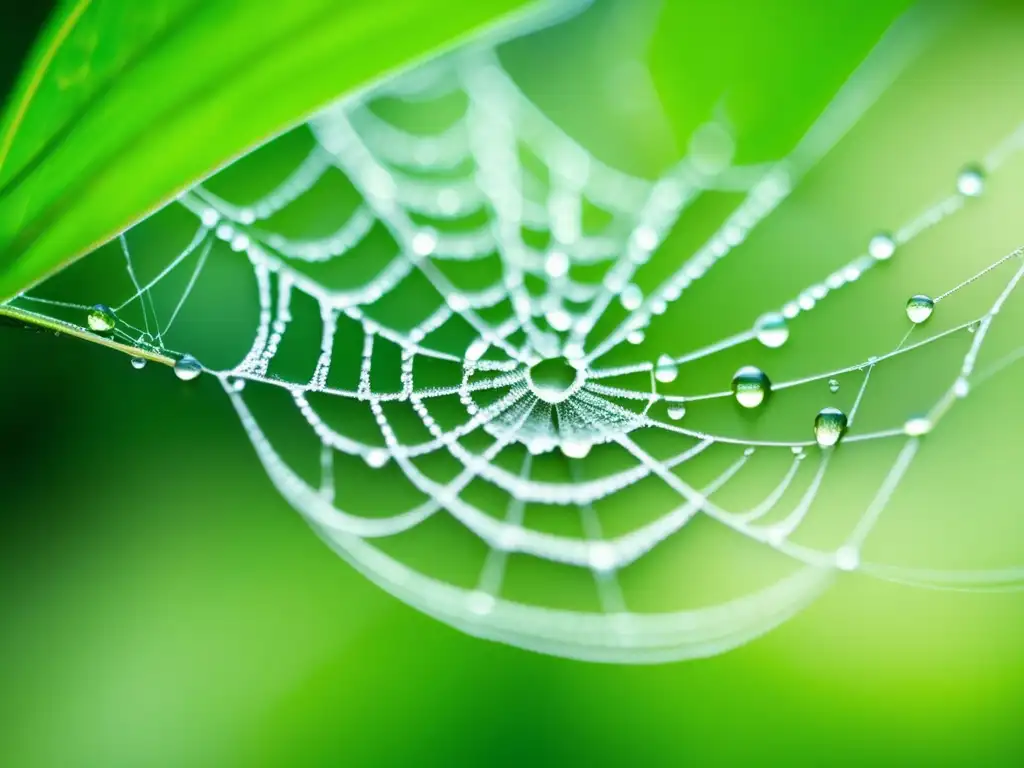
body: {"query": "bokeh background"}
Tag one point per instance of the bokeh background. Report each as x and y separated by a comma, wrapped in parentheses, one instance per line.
(164, 606)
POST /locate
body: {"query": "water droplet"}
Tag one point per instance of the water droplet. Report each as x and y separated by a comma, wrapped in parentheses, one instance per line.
(961, 387)
(553, 380)
(917, 426)
(239, 242)
(881, 246)
(771, 330)
(631, 297)
(424, 242)
(603, 556)
(138, 363)
(676, 412)
(237, 385)
(480, 603)
(101, 319)
(748, 451)
(575, 449)
(376, 457)
(972, 327)
(559, 319)
(510, 536)
(666, 370)
(829, 426)
(776, 535)
(847, 558)
(448, 200)
(557, 264)
(477, 349)
(751, 386)
(919, 308)
(833, 385)
(583, 325)
(971, 181)
(457, 302)
(187, 368)
(573, 351)
(534, 447)
(645, 238)
(797, 450)
(635, 337)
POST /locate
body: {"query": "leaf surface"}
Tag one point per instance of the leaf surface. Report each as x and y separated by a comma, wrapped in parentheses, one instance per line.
(124, 104)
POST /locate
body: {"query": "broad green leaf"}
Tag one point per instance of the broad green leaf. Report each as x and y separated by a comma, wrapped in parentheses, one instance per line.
(124, 104)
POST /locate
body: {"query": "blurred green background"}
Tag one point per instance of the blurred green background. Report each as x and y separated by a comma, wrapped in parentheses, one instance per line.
(164, 606)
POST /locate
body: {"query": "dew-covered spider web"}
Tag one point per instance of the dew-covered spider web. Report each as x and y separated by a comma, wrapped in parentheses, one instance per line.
(485, 366)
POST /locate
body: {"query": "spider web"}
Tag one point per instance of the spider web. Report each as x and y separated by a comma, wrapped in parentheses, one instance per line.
(460, 254)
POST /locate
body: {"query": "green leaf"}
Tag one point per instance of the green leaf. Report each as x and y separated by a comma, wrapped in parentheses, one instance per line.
(124, 104)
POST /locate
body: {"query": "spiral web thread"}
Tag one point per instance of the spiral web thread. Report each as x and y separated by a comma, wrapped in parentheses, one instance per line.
(475, 168)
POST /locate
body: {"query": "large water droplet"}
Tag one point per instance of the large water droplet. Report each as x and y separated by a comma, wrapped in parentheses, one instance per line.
(919, 308)
(881, 246)
(101, 319)
(138, 363)
(833, 385)
(751, 386)
(666, 370)
(187, 368)
(961, 387)
(553, 380)
(771, 330)
(829, 426)
(971, 181)
(676, 412)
